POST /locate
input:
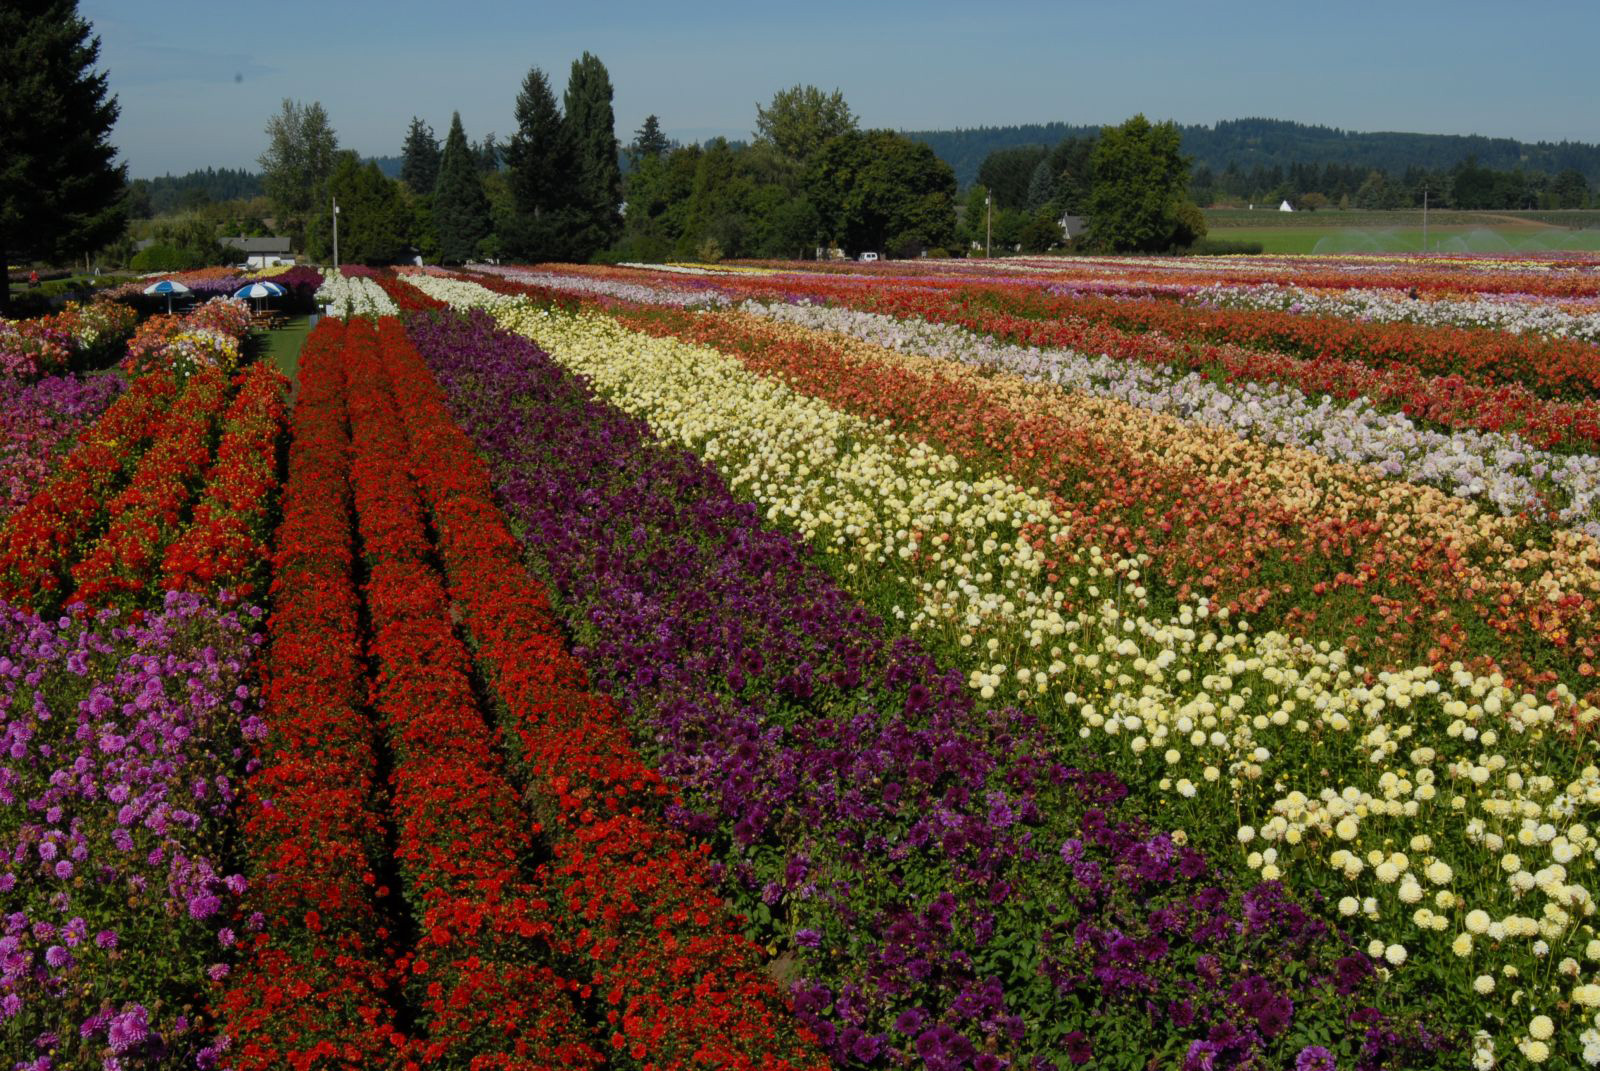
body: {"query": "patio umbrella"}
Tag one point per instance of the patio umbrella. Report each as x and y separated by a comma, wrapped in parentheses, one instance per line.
(167, 287)
(260, 290)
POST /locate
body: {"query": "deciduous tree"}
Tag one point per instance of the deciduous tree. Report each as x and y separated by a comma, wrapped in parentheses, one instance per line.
(801, 119)
(1139, 202)
(881, 191)
(301, 147)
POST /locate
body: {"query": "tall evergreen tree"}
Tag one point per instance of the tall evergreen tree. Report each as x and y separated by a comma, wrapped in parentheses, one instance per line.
(61, 193)
(537, 157)
(419, 166)
(460, 209)
(592, 135)
(648, 140)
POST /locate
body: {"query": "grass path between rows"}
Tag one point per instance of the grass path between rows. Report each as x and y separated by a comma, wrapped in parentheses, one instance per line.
(282, 346)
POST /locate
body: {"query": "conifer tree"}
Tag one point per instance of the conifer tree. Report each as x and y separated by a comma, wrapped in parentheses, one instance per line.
(592, 135)
(648, 140)
(538, 160)
(419, 167)
(460, 209)
(61, 192)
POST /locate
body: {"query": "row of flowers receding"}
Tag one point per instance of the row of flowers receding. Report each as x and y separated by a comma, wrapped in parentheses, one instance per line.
(1552, 367)
(943, 887)
(313, 985)
(679, 984)
(1392, 572)
(1442, 401)
(79, 335)
(105, 517)
(1503, 470)
(495, 955)
(128, 718)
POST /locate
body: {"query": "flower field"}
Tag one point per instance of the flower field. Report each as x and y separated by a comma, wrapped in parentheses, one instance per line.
(1337, 640)
(1034, 664)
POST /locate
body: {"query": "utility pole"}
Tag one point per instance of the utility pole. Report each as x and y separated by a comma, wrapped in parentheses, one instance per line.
(335, 234)
(988, 229)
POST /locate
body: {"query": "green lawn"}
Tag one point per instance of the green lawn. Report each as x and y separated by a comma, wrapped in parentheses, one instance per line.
(282, 346)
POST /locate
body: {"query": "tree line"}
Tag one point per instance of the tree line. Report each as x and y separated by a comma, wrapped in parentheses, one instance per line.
(1468, 185)
(810, 182)
(810, 179)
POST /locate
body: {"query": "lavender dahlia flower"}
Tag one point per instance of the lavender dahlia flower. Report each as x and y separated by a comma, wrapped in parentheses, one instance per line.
(108, 854)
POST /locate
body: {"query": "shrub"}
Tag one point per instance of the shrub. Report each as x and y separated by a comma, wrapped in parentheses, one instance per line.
(162, 258)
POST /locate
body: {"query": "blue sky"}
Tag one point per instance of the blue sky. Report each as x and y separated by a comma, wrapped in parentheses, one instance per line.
(197, 83)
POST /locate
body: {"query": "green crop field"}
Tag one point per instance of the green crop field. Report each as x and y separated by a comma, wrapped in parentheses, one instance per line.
(1333, 238)
(1401, 232)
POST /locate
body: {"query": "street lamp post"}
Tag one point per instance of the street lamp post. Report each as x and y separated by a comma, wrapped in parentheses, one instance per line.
(988, 228)
(335, 234)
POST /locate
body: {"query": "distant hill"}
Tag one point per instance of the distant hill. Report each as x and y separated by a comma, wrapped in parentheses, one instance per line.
(1248, 143)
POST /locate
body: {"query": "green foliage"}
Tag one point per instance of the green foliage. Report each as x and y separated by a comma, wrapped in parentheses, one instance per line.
(1041, 233)
(1571, 190)
(487, 153)
(375, 223)
(1138, 201)
(590, 130)
(419, 168)
(61, 192)
(460, 208)
(1008, 172)
(975, 218)
(1041, 187)
(301, 147)
(1072, 172)
(801, 119)
(162, 258)
(180, 244)
(880, 191)
(168, 194)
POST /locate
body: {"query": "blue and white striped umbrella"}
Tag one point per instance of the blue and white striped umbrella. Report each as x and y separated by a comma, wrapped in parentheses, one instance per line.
(167, 287)
(260, 290)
